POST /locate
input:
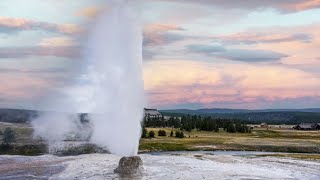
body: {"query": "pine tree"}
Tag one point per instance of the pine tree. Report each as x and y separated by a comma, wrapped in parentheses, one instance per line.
(181, 135)
(216, 129)
(144, 133)
(231, 128)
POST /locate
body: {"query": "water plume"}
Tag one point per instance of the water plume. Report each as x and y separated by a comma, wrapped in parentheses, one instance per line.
(115, 53)
(113, 71)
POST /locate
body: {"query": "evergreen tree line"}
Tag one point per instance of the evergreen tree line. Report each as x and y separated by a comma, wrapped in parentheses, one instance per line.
(189, 123)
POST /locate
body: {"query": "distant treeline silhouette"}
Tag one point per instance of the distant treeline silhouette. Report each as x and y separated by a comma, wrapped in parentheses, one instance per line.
(272, 117)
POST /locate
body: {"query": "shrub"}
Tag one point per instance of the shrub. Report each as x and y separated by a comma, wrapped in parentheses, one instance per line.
(162, 133)
(8, 136)
(179, 134)
(151, 134)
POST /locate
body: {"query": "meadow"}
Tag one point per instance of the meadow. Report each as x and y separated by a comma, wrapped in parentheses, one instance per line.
(261, 139)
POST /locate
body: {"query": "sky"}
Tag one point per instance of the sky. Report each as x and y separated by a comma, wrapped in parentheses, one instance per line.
(249, 54)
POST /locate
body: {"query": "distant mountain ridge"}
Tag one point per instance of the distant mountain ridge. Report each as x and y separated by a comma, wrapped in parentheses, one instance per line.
(272, 116)
(17, 115)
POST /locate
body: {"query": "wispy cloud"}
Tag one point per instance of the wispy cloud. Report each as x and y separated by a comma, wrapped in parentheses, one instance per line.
(162, 28)
(207, 49)
(232, 85)
(258, 38)
(283, 5)
(58, 41)
(244, 55)
(161, 34)
(11, 25)
(24, 52)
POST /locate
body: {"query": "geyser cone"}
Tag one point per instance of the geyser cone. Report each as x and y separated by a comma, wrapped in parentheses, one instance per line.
(114, 54)
(129, 165)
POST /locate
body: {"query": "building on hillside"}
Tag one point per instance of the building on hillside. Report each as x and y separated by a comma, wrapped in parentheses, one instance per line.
(152, 113)
(307, 126)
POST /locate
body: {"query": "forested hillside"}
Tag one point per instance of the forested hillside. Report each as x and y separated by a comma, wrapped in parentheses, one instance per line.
(255, 116)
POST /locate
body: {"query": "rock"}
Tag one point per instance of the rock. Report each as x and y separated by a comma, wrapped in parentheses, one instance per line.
(129, 165)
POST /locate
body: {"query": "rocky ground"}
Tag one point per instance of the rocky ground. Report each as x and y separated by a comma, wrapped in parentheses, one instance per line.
(190, 165)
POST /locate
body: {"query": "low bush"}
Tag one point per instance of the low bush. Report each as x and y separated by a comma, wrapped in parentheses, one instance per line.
(179, 134)
(151, 134)
(162, 133)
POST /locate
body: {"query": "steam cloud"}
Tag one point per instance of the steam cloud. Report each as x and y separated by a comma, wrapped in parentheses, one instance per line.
(113, 56)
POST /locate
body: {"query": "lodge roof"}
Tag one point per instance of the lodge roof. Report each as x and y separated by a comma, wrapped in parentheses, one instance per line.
(308, 125)
(305, 126)
(151, 112)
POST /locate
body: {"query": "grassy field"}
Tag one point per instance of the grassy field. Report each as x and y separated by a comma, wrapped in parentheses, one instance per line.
(24, 143)
(23, 132)
(261, 139)
(274, 140)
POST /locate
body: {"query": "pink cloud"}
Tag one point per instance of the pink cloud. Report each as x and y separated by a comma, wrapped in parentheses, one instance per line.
(152, 28)
(9, 25)
(186, 82)
(303, 5)
(21, 86)
(160, 34)
(301, 53)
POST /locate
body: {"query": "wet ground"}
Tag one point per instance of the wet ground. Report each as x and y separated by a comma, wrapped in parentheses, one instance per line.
(173, 165)
(23, 167)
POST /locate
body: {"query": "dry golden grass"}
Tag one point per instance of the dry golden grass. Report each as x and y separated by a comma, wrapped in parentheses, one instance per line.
(259, 139)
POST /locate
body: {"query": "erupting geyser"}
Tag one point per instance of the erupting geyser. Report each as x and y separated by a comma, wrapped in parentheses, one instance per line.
(115, 49)
(113, 71)
(114, 52)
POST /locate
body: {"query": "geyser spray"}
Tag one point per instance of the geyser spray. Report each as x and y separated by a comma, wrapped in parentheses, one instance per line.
(114, 52)
(113, 71)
